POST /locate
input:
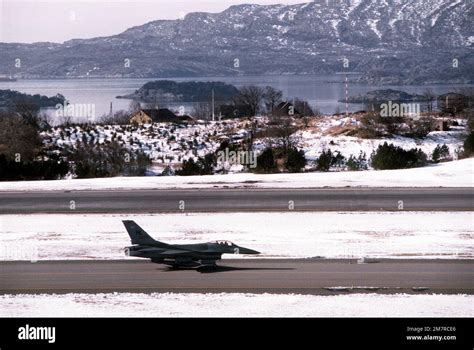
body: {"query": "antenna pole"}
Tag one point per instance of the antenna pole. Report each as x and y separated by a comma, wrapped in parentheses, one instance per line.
(213, 115)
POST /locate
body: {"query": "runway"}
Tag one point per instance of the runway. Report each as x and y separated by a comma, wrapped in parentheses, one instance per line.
(303, 276)
(228, 200)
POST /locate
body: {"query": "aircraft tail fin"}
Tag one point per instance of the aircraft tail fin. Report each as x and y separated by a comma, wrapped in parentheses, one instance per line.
(138, 235)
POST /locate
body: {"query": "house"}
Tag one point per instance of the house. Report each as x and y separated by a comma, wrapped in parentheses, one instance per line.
(235, 111)
(161, 115)
(285, 109)
(440, 125)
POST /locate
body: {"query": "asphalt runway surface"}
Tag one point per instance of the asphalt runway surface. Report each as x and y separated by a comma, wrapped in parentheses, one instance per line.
(305, 276)
(228, 200)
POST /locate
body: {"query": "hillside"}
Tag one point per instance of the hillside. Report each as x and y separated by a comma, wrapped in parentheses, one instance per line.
(188, 91)
(8, 98)
(391, 41)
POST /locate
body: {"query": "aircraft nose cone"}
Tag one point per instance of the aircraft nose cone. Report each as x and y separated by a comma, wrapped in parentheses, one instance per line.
(247, 251)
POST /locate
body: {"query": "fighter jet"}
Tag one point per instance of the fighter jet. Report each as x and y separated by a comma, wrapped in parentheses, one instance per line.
(178, 255)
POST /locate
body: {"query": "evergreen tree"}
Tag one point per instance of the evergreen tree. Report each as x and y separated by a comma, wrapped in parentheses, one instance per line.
(440, 152)
(295, 161)
(266, 161)
(469, 144)
(324, 161)
(389, 156)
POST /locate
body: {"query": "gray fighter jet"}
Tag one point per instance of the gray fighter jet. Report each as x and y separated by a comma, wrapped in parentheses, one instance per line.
(178, 255)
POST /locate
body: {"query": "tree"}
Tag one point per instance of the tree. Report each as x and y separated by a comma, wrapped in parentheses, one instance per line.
(167, 171)
(134, 106)
(356, 164)
(29, 112)
(118, 118)
(272, 97)
(469, 144)
(430, 97)
(389, 156)
(393, 124)
(202, 110)
(207, 163)
(440, 152)
(104, 160)
(420, 128)
(323, 163)
(266, 161)
(285, 136)
(295, 161)
(188, 168)
(453, 103)
(303, 108)
(203, 166)
(337, 160)
(19, 140)
(469, 93)
(50, 169)
(251, 96)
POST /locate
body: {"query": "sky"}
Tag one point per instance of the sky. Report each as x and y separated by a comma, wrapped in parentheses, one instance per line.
(27, 21)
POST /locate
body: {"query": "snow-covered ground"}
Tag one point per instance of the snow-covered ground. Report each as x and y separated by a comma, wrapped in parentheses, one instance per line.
(450, 174)
(169, 144)
(164, 143)
(348, 146)
(235, 305)
(292, 234)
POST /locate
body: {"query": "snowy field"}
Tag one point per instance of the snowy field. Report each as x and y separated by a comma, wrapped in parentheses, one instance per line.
(292, 234)
(451, 174)
(235, 305)
(169, 144)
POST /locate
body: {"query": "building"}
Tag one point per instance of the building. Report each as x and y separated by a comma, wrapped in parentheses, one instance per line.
(285, 109)
(161, 115)
(235, 111)
(440, 125)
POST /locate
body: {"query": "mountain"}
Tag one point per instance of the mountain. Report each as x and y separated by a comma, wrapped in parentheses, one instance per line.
(387, 41)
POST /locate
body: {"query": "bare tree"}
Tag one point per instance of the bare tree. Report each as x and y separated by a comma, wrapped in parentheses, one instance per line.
(469, 93)
(134, 106)
(151, 105)
(29, 112)
(303, 108)
(272, 97)
(306, 121)
(251, 96)
(430, 97)
(202, 110)
(46, 120)
(285, 138)
(453, 103)
(317, 112)
(120, 117)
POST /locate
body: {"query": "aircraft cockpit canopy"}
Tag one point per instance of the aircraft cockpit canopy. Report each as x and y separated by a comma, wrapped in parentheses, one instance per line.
(227, 243)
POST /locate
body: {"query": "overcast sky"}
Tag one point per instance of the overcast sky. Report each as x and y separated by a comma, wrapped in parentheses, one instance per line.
(29, 21)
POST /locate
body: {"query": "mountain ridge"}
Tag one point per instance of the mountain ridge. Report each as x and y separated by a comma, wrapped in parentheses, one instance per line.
(390, 41)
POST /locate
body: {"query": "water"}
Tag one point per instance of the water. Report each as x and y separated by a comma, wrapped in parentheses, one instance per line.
(322, 92)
